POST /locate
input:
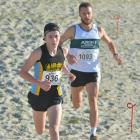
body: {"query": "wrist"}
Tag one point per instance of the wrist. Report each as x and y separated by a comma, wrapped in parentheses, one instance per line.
(67, 55)
(67, 73)
(115, 55)
(37, 82)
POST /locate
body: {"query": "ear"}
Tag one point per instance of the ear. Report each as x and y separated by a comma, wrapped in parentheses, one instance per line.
(44, 39)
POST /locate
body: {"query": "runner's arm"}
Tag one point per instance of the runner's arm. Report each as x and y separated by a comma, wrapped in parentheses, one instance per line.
(67, 35)
(24, 72)
(108, 40)
(111, 45)
(65, 68)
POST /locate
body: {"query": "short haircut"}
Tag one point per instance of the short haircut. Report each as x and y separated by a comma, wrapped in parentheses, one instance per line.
(85, 5)
(51, 27)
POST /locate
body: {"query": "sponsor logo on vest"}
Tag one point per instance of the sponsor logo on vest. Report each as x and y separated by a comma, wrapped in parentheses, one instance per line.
(54, 66)
(89, 43)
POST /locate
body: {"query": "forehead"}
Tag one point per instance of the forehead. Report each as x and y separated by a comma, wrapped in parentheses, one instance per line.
(85, 9)
(52, 33)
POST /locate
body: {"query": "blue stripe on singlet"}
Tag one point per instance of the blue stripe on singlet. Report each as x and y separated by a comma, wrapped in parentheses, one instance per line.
(38, 70)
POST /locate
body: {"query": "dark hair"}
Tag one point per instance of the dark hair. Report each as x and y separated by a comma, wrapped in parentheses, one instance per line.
(51, 27)
(84, 4)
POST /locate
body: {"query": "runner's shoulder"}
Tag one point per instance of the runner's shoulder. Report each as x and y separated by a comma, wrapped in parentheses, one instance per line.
(71, 29)
(36, 53)
(70, 32)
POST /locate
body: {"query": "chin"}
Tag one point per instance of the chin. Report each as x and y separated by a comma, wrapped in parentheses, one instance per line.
(86, 22)
(55, 45)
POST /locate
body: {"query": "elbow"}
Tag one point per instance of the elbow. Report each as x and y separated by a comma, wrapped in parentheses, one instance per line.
(110, 44)
(21, 73)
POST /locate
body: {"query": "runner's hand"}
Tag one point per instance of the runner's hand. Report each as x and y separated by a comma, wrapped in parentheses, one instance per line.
(45, 85)
(118, 59)
(71, 59)
(71, 77)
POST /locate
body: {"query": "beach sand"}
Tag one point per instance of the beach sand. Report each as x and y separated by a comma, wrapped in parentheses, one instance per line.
(21, 31)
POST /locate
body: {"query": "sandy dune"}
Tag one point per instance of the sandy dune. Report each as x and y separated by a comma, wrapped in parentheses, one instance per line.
(21, 31)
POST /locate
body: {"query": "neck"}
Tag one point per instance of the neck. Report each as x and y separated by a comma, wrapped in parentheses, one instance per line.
(52, 50)
(86, 27)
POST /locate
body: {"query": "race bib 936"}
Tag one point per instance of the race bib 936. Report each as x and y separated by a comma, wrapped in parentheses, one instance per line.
(54, 77)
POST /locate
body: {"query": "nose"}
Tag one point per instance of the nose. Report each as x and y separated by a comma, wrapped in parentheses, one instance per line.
(54, 39)
(87, 16)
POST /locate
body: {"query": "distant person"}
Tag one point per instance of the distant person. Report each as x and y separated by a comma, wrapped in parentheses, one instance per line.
(46, 95)
(84, 60)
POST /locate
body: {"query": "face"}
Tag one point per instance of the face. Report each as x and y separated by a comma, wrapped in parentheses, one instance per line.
(52, 38)
(86, 15)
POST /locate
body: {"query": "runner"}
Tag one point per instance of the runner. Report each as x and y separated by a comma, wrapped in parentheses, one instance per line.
(46, 95)
(84, 60)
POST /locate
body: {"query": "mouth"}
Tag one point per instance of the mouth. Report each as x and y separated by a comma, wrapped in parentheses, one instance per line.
(87, 20)
(54, 44)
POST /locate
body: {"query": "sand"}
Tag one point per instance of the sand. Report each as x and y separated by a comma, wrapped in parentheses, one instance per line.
(21, 31)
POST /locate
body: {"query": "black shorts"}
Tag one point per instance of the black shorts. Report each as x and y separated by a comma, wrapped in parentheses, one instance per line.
(44, 100)
(83, 78)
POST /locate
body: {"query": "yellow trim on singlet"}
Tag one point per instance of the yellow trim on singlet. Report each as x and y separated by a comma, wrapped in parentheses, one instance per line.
(40, 78)
(59, 90)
